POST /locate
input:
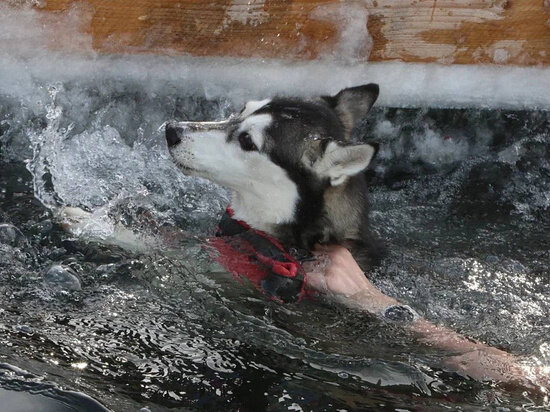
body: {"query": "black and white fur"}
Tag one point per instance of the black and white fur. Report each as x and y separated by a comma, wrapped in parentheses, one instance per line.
(290, 167)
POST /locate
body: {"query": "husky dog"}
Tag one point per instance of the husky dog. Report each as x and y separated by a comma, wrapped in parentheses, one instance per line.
(290, 166)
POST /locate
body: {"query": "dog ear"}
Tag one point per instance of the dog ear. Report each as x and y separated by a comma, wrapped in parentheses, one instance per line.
(340, 162)
(353, 104)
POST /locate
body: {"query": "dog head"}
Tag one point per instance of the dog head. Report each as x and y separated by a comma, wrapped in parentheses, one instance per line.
(278, 155)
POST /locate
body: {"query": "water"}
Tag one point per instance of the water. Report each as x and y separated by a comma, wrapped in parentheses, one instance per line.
(462, 197)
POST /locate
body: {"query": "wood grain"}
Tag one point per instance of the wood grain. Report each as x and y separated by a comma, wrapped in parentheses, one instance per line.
(513, 32)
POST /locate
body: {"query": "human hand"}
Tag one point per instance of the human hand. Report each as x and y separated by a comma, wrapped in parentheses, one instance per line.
(489, 363)
(335, 273)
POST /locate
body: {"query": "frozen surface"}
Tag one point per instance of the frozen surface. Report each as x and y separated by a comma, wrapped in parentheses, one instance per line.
(25, 59)
(353, 41)
(403, 84)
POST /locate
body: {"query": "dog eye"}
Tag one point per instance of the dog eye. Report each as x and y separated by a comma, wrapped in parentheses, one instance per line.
(246, 142)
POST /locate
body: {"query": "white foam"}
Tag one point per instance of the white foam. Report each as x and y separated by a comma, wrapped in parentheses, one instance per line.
(435, 150)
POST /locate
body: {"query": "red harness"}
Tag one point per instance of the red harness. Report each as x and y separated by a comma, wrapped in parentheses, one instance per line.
(260, 258)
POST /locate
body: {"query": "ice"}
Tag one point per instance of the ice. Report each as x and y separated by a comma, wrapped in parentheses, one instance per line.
(247, 14)
(402, 85)
(24, 31)
(501, 56)
(354, 42)
(31, 62)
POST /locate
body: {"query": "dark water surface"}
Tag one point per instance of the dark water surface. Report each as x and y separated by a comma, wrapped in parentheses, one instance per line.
(462, 198)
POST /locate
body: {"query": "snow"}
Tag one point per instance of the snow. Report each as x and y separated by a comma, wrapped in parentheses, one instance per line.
(353, 39)
(402, 85)
(27, 59)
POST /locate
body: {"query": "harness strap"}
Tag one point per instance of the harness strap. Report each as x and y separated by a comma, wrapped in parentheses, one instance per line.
(259, 257)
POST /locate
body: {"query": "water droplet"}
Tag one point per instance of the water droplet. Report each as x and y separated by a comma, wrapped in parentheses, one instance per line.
(11, 235)
(62, 278)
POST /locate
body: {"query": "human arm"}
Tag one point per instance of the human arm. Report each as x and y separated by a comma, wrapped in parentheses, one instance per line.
(336, 274)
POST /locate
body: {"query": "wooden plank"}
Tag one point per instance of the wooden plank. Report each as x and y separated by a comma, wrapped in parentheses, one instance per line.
(445, 31)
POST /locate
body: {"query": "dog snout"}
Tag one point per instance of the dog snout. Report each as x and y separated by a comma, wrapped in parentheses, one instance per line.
(173, 134)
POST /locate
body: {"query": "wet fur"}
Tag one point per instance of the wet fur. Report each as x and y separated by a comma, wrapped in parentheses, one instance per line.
(297, 138)
(338, 214)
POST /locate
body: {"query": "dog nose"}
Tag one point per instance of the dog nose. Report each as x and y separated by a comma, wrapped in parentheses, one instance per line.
(172, 134)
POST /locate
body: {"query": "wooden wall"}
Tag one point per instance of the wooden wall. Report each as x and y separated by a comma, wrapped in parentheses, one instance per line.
(513, 32)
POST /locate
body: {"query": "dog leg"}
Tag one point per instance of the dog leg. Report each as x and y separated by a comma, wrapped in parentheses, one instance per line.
(81, 223)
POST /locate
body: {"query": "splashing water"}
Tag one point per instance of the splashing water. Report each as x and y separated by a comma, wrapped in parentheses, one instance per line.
(460, 196)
